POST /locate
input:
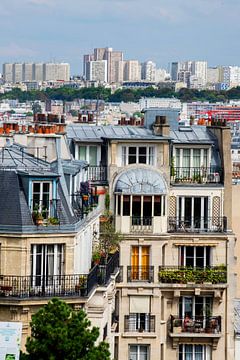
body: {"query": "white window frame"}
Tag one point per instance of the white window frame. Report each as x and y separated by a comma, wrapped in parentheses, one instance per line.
(44, 254)
(135, 322)
(194, 255)
(88, 152)
(206, 351)
(182, 215)
(191, 155)
(193, 305)
(41, 194)
(125, 154)
(138, 350)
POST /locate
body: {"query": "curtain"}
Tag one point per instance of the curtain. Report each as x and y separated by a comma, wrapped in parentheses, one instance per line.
(189, 352)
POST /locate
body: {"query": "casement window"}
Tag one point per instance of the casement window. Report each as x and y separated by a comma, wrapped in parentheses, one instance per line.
(191, 158)
(140, 206)
(195, 307)
(89, 153)
(139, 322)
(194, 352)
(140, 259)
(195, 256)
(139, 352)
(46, 263)
(193, 211)
(41, 197)
(138, 155)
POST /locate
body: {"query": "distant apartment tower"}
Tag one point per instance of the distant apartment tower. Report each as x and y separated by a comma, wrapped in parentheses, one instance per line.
(8, 72)
(114, 62)
(230, 75)
(193, 73)
(86, 59)
(28, 72)
(149, 71)
(96, 70)
(19, 72)
(213, 75)
(131, 70)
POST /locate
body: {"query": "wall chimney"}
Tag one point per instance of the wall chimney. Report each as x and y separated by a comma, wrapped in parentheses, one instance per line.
(160, 127)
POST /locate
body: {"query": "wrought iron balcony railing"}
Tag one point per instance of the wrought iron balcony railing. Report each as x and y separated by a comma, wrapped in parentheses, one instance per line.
(183, 275)
(197, 324)
(57, 285)
(197, 224)
(97, 173)
(141, 224)
(139, 323)
(140, 273)
(196, 175)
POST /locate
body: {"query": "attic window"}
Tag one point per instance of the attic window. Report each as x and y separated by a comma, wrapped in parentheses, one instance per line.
(185, 128)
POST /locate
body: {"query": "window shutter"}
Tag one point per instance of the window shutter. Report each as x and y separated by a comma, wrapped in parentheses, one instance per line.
(140, 304)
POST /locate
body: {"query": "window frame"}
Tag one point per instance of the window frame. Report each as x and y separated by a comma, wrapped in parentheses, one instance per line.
(150, 155)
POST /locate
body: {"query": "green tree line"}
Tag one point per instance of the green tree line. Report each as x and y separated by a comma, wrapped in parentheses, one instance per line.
(126, 95)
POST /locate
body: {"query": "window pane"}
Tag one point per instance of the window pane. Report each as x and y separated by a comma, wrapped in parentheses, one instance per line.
(82, 152)
(142, 151)
(92, 155)
(186, 158)
(133, 352)
(151, 155)
(143, 353)
(189, 256)
(126, 205)
(132, 155)
(124, 155)
(196, 158)
(157, 205)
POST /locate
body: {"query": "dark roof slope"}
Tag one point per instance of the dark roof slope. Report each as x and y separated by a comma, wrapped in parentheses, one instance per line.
(13, 205)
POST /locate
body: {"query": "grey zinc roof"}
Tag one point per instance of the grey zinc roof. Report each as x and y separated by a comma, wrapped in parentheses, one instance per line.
(140, 181)
(15, 157)
(193, 134)
(96, 133)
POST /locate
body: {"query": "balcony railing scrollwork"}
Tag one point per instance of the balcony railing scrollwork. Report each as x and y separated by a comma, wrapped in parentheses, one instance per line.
(197, 224)
(196, 175)
(198, 325)
(140, 273)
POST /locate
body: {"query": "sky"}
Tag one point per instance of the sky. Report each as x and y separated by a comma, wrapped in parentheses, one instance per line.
(158, 30)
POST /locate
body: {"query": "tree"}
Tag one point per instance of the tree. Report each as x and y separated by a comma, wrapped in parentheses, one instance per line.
(60, 333)
(36, 108)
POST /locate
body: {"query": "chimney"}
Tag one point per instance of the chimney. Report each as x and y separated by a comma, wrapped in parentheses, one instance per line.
(160, 127)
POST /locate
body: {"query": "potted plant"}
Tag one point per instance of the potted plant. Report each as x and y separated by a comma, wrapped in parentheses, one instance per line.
(177, 326)
(38, 218)
(96, 257)
(53, 221)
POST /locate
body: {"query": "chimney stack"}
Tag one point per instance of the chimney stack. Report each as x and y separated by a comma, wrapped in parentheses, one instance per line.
(160, 127)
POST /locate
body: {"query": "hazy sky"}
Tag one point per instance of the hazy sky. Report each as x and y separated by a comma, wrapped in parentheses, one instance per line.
(160, 30)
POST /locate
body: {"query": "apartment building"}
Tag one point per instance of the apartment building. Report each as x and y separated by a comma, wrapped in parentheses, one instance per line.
(170, 192)
(96, 70)
(20, 72)
(49, 222)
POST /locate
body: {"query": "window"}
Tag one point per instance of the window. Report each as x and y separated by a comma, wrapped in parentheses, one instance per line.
(138, 352)
(89, 154)
(195, 256)
(195, 307)
(140, 262)
(46, 262)
(194, 352)
(187, 158)
(139, 322)
(138, 155)
(41, 197)
(193, 211)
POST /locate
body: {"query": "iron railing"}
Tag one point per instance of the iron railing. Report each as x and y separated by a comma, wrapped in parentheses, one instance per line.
(141, 224)
(57, 285)
(139, 323)
(183, 275)
(197, 224)
(196, 175)
(197, 324)
(140, 273)
(97, 173)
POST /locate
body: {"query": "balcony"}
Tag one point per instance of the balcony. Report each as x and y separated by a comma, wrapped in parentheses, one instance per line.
(46, 212)
(197, 224)
(97, 174)
(198, 325)
(141, 224)
(140, 273)
(44, 286)
(196, 175)
(200, 328)
(184, 275)
(139, 323)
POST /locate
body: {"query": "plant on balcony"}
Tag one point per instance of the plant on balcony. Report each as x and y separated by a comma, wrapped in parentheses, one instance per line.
(96, 256)
(109, 238)
(53, 221)
(38, 218)
(184, 275)
(172, 168)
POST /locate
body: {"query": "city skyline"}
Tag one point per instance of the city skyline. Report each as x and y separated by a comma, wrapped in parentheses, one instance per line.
(162, 32)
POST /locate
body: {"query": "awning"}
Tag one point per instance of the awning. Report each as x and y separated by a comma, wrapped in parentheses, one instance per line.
(140, 304)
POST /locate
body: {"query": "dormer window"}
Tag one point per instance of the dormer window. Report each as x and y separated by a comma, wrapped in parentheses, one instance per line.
(191, 158)
(138, 155)
(41, 197)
